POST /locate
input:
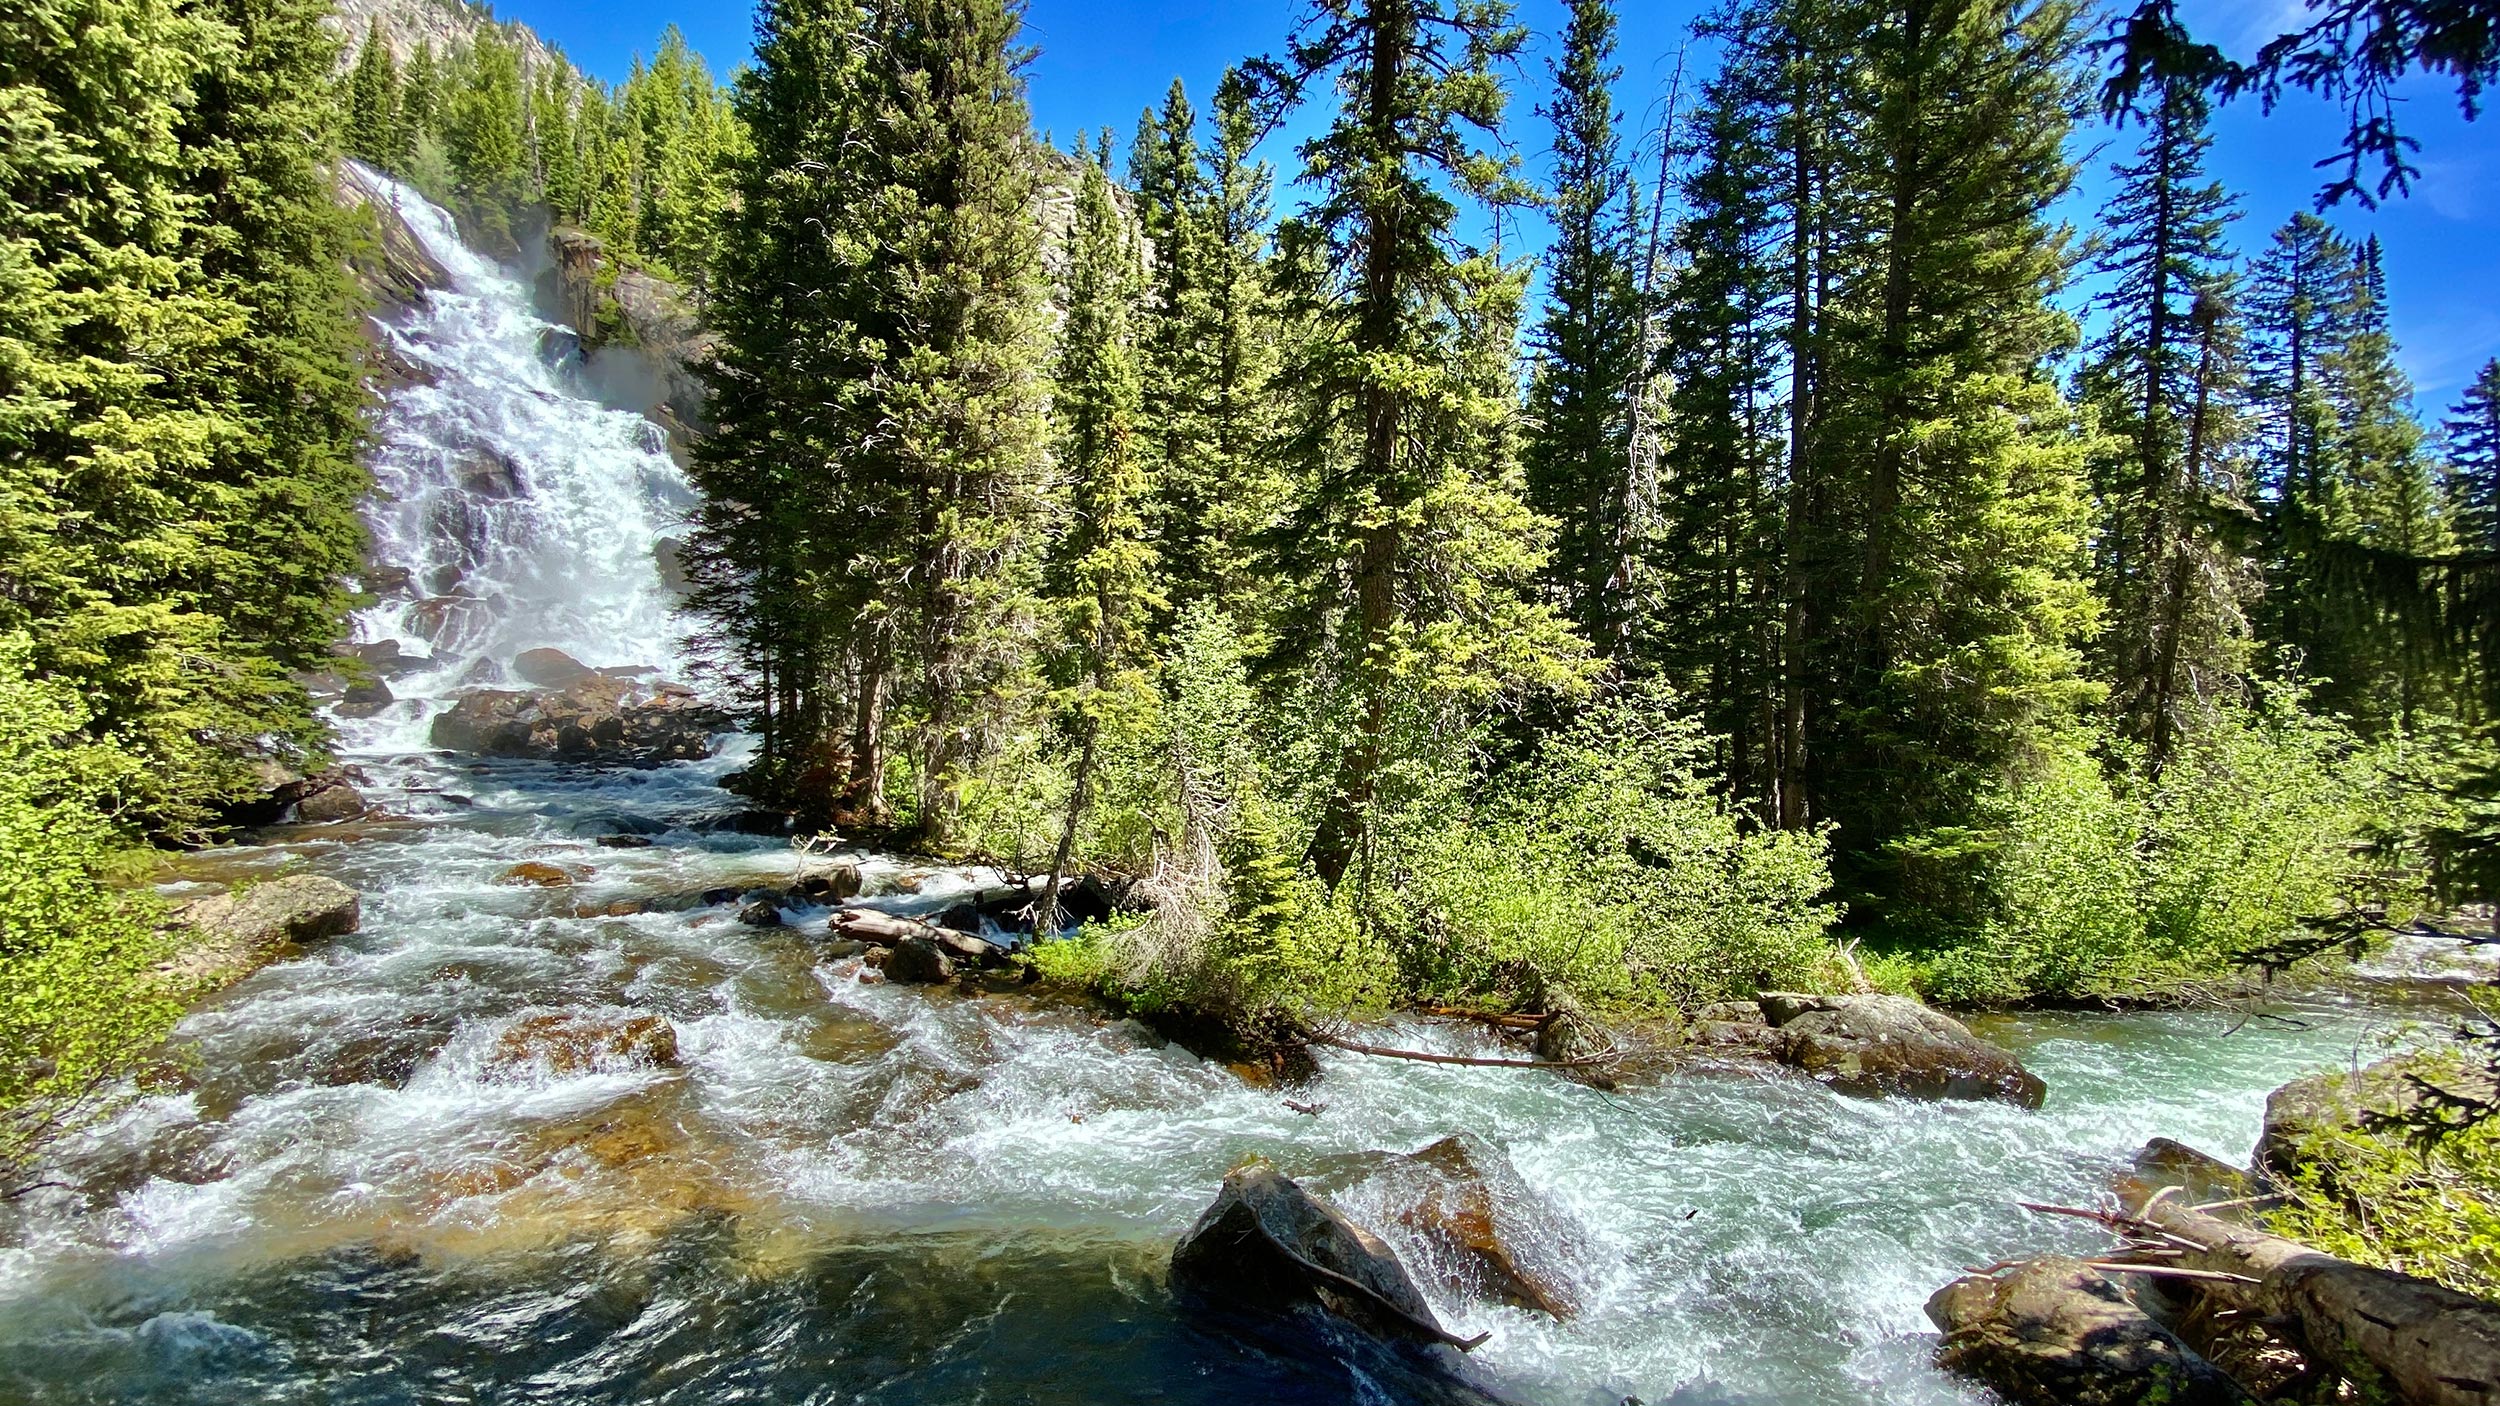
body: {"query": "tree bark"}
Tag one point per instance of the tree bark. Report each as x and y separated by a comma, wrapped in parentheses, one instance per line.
(2433, 1345)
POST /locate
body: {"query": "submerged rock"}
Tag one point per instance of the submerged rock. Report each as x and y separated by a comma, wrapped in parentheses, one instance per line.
(2054, 1332)
(593, 719)
(1891, 1045)
(1269, 1247)
(538, 874)
(585, 1042)
(224, 938)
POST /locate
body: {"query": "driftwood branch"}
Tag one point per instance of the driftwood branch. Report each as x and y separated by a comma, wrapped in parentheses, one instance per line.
(1473, 1061)
(1531, 1021)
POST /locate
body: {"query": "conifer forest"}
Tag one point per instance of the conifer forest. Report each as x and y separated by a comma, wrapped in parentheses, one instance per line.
(736, 732)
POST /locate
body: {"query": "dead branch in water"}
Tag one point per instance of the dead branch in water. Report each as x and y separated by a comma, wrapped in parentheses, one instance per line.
(1531, 1021)
(1474, 1061)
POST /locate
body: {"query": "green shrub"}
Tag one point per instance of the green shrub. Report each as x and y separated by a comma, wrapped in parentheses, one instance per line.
(2431, 1209)
(2102, 882)
(1608, 863)
(80, 1001)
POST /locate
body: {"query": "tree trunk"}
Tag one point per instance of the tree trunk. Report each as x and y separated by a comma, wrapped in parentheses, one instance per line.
(2433, 1345)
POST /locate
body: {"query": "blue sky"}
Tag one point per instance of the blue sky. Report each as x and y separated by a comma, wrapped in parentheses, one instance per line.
(1103, 60)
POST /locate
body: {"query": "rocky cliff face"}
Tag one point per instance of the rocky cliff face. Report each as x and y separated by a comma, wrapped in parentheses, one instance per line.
(441, 23)
(641, 336)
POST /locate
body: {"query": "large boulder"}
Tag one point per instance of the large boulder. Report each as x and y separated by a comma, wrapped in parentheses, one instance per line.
(331, 804)
(394, 268)
(549, 668)
(1482, 1230)
(1269, 1247)
(1875, 1046)
(226, 937)
(594, 719)
(2054, 1332)
(919, 961)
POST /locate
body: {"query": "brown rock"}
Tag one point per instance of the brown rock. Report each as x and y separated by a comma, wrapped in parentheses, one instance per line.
(1490, 1231)
(331, 804)
(918, 960)
(566, 1043)
(595, 719)
(2163, 1162)
(540, 874)
(227, 937)
(1254, 1250)
(1875, 1046)
(2053, 1332)
(549, 668)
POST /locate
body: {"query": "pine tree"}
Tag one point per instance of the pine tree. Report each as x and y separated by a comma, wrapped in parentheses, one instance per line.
(2161, 378)
(1101, 576)
(873, 485)
(1171, 208)
(1951, 516)
(1578, 456)
(2381, 496)
(373, 119)
(2474, 462)
(772, 558)
(177, 476)
(1238, 304)
(420, 107)
(1716, 554)
(487, 139)
(1408, 543)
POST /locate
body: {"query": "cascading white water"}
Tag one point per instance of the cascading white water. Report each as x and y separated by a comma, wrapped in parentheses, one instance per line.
(523, 511)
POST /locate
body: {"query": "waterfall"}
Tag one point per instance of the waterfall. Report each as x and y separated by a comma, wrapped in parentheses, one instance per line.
(510, 511)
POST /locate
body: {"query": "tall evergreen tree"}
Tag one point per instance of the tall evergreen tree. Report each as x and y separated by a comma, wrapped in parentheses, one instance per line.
(1578, 453)
(2474, 462)
(2160, 377)
(373, 101)
(873, 488)
(1717, 552)
(1408, 544)
(1102, 569)
(1951, 513)
(1238, 346)
(177, 478)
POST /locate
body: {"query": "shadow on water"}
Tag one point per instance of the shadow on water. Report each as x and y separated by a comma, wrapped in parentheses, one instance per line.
(921, 1319)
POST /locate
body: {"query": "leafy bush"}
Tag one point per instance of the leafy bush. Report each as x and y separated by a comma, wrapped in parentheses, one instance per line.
(2103, 882)
(2427, 1208)
(80, 1001)
(1608, 863)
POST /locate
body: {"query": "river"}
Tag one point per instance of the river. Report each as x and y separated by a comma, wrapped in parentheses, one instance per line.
(845, 1191)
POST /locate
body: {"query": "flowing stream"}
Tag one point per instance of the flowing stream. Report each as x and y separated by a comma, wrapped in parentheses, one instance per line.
(845, 1191)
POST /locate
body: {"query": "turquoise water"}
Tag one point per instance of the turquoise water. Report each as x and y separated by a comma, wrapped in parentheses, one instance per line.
(855, 1192)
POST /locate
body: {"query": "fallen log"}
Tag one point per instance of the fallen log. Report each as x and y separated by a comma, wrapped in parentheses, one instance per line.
(878, 927)
(2430, 1344)
(1473, 1061)
(882, 929)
